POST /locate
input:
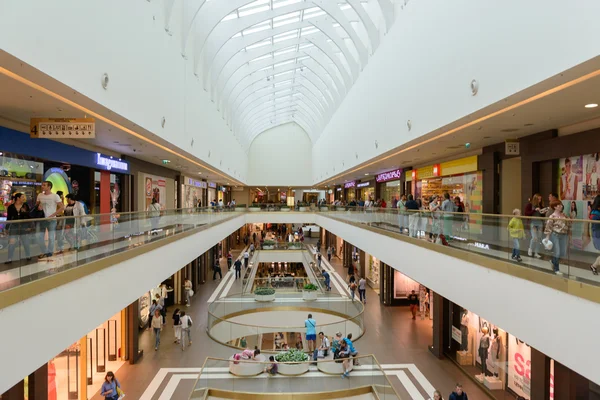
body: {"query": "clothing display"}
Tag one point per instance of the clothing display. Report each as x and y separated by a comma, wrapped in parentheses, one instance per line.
(464, 330)
(484, 347)
(495, 354)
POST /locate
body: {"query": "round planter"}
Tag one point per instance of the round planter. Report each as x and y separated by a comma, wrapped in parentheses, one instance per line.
(268, 247)
(268, 297)
(240, 209)
(309, 295)
(293, 369)
(303, 209)
(340, 208)
(253, 209)
(286, 209)
(331, 368)
(324, 208)
(247, 368)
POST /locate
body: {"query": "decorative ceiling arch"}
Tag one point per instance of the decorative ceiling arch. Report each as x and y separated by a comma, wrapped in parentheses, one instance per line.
(271, 62)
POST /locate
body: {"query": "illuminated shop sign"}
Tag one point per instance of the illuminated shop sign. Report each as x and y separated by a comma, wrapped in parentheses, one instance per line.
(212, 185)
(109, 163)
(338, 189)
(389, 176)
(349, 185)
(363, 184)
(193, 182)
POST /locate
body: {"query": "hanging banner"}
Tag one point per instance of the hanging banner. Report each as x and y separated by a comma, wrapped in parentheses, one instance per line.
(62, 128)
(519, 367)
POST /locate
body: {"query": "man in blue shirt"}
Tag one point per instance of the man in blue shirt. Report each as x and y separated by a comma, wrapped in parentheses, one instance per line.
(311, 333)
(353, 351)
(327, 279)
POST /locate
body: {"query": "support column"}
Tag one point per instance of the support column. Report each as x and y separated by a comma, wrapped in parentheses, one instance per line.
(362, 259)
(540, 375)
(132, 352)
(37, 385)
(83, 382)
(386, 283)
(437, 347)
(16, 392)
(569, 384)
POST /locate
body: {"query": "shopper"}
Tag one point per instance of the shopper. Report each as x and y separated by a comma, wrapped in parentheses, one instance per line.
(153, 307)
(163, 310)
(238, 268)
(311, 332)
(595, 216)
(535, 209)
(458, 393)
(177, 325)
(217, 270)
(19, 231)
(111, 388)
(329, 252)
(60, 226)
(48, 206)
(352, 351)
(552, 197)
(517, 232)
(343, 353)
(557, 229)
(319, 259)
(72, 231)
(412, 209)
(413, 300)
(403, 218)
(324, 346)
(246, 258)
(272, 367)
(229, 260)
(186, 325)
(187, 287)
(448, 209)
(352, 286)
(362, 290)
(156, 327)
(437, 395)
(327, 280)
(154, 214)
(434, 207)
(252, 248)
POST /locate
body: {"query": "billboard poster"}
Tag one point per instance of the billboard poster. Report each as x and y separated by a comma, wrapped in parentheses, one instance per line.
(155, 187)
(519, 367)
(578, 185)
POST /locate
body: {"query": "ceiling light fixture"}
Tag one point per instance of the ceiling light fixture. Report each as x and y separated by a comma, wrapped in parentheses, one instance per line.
(367, 173)
(166, 161)
(591, 105)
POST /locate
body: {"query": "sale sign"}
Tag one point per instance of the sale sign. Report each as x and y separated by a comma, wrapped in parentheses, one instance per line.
(519, 367)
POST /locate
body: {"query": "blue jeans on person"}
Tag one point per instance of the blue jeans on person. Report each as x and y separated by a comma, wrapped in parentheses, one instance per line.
(328, 283)
(559, 248)
(157, 337)
(49, 225)
(516, 248)
(188, 332)
(363, 294)
(448, 222)
(13, 241)
(536, 236)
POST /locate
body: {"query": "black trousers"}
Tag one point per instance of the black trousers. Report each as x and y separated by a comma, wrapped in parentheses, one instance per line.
(217, 271)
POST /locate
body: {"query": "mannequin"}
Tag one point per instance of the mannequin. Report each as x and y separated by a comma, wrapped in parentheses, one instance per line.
(464, 330)
(484, 347)
(496, 346)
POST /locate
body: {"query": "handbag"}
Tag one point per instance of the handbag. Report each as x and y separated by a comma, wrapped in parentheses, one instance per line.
(36, 213)
(191, 292)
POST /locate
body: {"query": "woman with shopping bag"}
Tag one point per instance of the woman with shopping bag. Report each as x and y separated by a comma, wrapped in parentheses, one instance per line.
(111, 388)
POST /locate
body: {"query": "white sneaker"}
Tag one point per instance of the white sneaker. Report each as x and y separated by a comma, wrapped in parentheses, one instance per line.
(537, 255)
(529, 253)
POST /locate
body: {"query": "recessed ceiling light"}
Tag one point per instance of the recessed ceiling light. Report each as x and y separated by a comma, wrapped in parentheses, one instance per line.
(591, 105)
(367, 173)
(199, 173)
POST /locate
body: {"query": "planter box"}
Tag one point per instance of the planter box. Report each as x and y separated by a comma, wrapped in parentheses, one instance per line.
(268, 297)
(340, 208)
(293, 369)
(324, 208)
(241, 209)
(309, 295)
(268, 247)
(253, 209)
(286, 209)
(303, 209)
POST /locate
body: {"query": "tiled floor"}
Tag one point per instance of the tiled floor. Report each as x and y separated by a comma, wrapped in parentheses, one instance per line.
(391, 335)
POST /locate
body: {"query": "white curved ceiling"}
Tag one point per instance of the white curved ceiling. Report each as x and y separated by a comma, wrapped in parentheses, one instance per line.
(270, 62)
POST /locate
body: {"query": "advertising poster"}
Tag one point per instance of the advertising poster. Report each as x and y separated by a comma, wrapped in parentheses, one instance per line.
(155, 188)
(192, 196)
(519, 367)
(579, 179)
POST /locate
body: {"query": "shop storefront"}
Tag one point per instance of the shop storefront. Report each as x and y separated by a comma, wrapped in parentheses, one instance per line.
(372, 271)
(212, 192)
(159, 188)
(192, 192)
(95, 178)
(366, 190)
(350, 191)
(338, 193)
(390, 185)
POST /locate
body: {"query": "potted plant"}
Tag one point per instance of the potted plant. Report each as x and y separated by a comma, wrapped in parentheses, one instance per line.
(268, 245)
(294, 245)
(240, 207)
(292, 356)
(309, 292)
(254, 207)
(264, 294)
(285, 208)
(302, 206)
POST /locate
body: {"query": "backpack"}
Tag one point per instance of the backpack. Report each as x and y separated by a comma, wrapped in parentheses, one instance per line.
(85, 207)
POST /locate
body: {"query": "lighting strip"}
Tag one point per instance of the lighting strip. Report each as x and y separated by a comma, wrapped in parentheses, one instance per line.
(58, 97)
(477, 121)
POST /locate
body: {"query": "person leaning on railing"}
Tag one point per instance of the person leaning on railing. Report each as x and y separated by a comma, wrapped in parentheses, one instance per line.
(18, 231)
(557, 229)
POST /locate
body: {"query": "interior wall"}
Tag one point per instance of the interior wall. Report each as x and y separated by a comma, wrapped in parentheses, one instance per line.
(424, 66)
(281, 156)
(148, 77)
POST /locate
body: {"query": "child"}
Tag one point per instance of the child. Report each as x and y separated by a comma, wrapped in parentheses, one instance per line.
(517, 232)
(272, 368)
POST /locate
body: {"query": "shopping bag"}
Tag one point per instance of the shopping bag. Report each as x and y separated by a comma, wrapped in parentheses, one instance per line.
(191, 292)
(120, 393)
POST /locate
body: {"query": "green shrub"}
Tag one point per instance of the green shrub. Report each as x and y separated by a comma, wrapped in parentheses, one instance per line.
(310, 287)
(264, 291)
(269, 243)
(240, 205)
(293, 355)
